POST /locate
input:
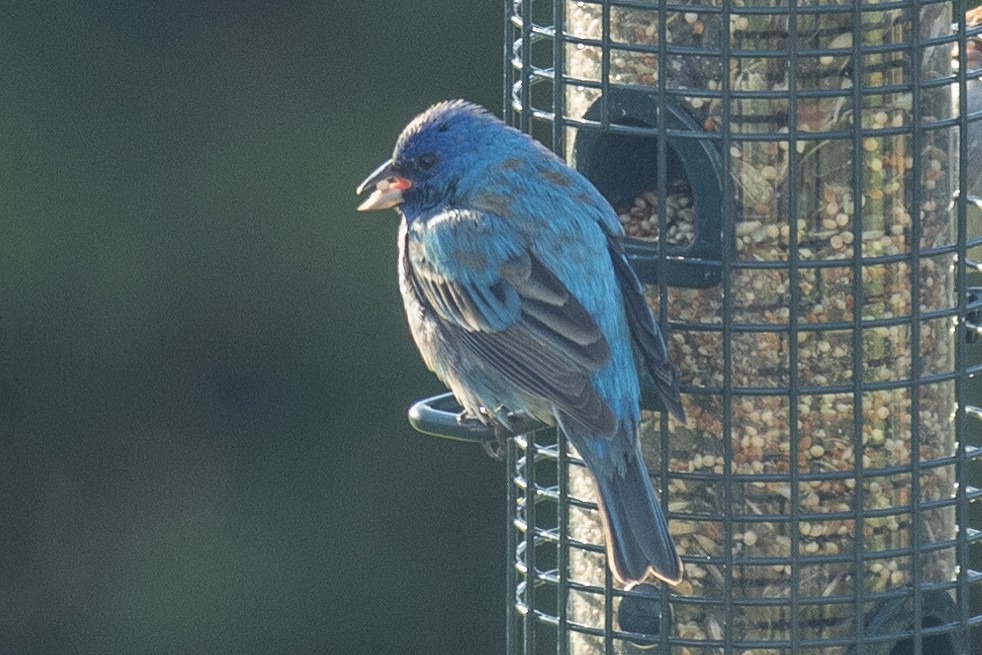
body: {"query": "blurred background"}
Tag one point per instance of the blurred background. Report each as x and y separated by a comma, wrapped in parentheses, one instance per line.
(204, 366)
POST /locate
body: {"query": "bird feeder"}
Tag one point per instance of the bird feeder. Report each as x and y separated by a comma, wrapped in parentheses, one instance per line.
(789, 176)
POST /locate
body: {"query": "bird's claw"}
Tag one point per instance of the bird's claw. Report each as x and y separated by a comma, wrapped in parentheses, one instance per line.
(497, 447)
(465, 417)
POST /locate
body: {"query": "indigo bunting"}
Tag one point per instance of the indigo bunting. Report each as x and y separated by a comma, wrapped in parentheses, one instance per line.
(521, 300)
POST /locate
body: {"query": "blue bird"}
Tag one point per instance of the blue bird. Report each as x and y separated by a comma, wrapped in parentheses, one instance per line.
(521, 300)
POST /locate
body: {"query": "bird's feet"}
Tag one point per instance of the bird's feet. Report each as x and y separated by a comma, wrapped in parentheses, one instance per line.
(464, 417)
(495, 446)
(498, 446)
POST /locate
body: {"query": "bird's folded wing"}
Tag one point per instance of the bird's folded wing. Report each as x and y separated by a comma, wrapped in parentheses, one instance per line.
(516, 317)
(647, 337)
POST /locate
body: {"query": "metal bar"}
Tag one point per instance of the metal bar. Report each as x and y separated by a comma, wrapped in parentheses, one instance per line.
(608, 632)
(512, 628)
(859, 576)
(562, 461)
(508, 40)
(793, 328)
(562, 559)
(524, 119)
(606, 46)
(916, 531)
(558, 86)
(529, 626)
(728, 256)
(661, 182)
(962, 514)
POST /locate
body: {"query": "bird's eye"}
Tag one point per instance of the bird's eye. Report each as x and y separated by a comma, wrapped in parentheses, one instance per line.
(426, 161)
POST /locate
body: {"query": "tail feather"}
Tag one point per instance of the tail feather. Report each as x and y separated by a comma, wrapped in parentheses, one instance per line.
(635, 528)
(638, 541)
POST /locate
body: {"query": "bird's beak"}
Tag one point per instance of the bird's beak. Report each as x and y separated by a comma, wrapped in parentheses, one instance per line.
(388, 188)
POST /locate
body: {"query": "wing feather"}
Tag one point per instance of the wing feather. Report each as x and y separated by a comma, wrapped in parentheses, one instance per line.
(518, 319)
(645, 334)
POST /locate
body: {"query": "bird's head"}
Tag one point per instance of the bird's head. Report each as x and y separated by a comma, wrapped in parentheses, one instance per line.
(438, 157)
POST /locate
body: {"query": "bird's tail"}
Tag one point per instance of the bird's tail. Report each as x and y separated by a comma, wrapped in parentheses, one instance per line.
(636, 530)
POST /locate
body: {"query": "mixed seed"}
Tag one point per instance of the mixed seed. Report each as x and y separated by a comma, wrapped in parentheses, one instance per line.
(640, 218)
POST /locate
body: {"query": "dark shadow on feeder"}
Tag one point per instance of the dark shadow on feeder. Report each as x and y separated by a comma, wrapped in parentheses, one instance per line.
(894, 617)
(624, 166)
(641, 612)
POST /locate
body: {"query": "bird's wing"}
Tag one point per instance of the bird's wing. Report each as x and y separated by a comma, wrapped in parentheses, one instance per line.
(647, 337)
(510, 312)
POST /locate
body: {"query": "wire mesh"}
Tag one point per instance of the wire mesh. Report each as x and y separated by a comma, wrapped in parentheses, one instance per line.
(789, 174)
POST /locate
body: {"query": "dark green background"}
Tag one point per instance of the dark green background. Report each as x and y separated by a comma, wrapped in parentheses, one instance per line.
(204, 367)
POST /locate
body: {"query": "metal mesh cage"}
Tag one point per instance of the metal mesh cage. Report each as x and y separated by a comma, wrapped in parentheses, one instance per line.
(789, 174)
